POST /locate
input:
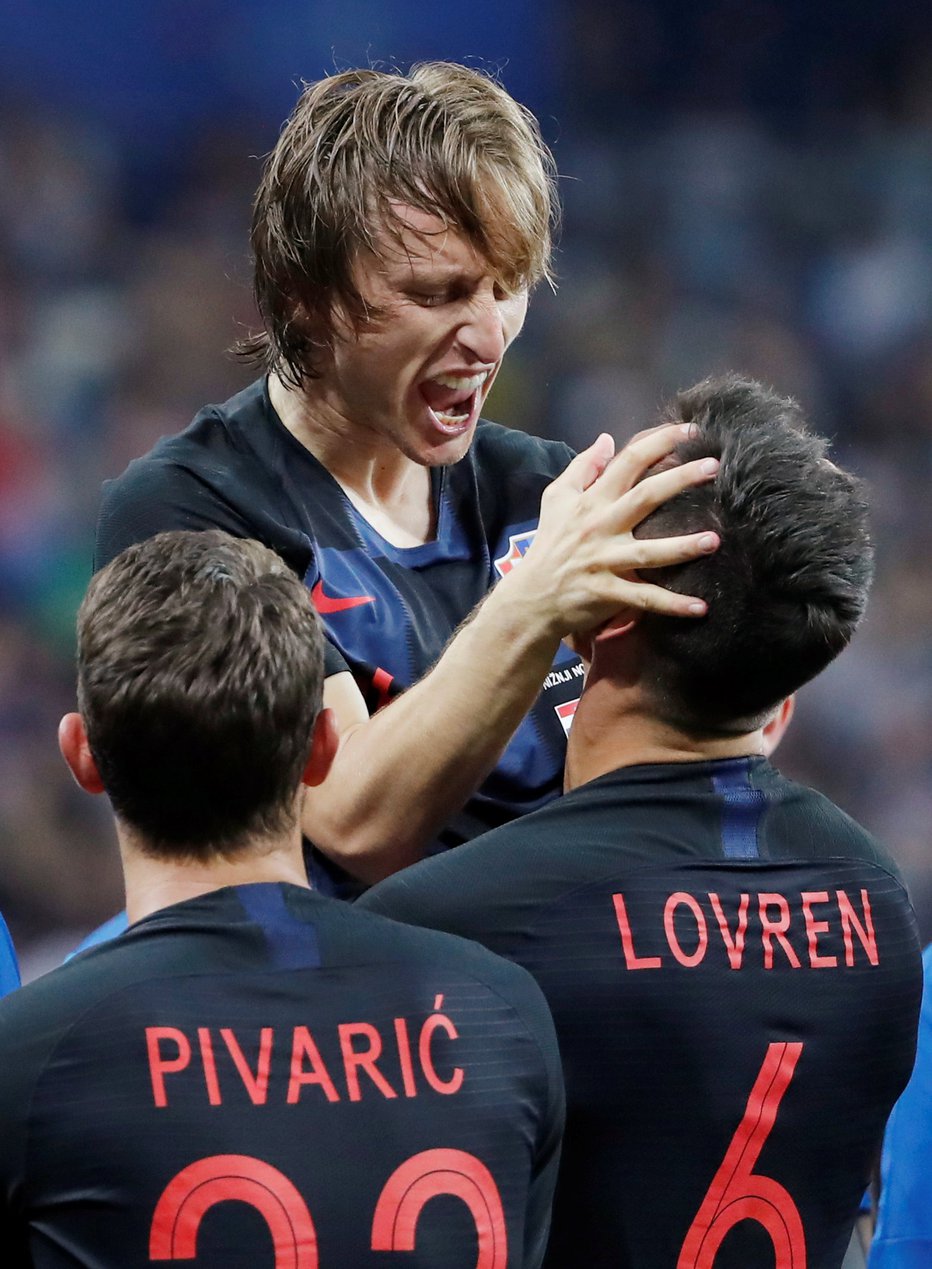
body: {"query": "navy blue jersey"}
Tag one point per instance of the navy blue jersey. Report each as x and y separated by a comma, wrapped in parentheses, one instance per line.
(903, 1237)
(733, 969)
(388, 611)
(265, 1078)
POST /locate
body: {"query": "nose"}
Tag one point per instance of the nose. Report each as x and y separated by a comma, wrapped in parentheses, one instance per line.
(482, 333)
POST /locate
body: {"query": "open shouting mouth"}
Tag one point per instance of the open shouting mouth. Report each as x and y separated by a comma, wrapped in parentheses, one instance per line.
(454, 400)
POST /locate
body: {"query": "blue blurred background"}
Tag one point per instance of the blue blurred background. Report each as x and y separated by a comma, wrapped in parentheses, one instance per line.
(747, 185)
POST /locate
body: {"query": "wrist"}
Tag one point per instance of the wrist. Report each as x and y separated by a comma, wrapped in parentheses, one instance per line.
(526, 610)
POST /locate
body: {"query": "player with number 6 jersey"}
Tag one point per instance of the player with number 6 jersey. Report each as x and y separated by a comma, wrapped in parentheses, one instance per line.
(732, 963)
(255, 1076)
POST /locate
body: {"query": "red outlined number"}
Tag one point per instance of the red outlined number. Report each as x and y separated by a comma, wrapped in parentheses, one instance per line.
(736, 1193)
(180, 1210)
(423, 1177)
(222, 1177)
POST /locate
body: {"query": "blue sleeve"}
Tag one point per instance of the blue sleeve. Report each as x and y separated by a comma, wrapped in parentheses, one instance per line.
(903, 1238)
(103, 934)
(9, 966)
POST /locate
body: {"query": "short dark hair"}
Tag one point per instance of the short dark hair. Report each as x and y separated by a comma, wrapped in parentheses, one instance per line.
(200, 676)
(443, 138)
(789, 582)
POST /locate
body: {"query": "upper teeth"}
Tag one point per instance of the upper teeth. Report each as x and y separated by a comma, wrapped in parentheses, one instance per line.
(467, 384)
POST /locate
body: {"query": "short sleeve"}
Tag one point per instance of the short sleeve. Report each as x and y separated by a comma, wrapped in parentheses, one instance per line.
(155, 496)
(334, 661)
(152, 497)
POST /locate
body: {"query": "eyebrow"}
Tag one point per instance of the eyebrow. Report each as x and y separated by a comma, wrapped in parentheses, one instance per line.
(423, 272)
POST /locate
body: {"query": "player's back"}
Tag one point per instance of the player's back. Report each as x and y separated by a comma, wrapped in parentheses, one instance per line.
(734, 973)
(263, 1077)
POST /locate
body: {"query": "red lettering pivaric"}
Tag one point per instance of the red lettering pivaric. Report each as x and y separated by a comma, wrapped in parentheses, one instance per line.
(216, 1058)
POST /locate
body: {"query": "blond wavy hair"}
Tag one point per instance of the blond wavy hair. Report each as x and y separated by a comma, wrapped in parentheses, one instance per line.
(444, 139)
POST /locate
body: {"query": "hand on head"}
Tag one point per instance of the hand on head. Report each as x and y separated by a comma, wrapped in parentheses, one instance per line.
(584, 564)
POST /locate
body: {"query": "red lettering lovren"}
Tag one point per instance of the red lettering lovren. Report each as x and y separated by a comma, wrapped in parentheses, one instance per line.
(807, 929)
(814, 928)
(850, 921)
(683, 900)
(734, 945)
(771, 929)
(632, 960)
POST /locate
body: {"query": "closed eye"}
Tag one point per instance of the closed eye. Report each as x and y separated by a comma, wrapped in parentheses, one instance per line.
(429, 299)
(450, 295)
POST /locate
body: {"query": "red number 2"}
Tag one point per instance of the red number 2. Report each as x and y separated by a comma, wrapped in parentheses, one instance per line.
(435, 1172)
(737, 1193)
(198, 1187)
(180, 1210)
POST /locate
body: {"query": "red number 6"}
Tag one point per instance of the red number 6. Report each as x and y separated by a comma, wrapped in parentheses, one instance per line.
(736, 1193)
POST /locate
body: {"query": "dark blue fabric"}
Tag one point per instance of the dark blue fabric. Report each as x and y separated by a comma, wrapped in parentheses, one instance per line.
(292, 942)
(743, 808)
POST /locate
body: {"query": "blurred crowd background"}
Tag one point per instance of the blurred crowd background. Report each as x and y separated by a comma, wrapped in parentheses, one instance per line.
(747, 184)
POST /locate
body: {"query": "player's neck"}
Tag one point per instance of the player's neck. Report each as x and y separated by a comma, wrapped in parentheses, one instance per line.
(612, 729)
(390, 490)
(152, 884)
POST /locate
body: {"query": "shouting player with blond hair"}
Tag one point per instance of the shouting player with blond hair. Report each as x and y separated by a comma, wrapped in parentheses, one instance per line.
(401, 223)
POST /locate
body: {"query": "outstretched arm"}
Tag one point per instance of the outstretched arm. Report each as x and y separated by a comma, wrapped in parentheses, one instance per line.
(399, 775)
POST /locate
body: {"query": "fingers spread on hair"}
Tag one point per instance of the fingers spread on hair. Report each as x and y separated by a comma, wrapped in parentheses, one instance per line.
(649, 598)
(638, 456)
(588, 465)
(647, 553)
(655, 490)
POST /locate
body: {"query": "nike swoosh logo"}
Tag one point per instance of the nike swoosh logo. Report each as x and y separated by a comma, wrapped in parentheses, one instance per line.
(329, 603)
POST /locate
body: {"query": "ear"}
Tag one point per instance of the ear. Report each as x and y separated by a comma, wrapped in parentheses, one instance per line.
(72, 741)
(324, 744)
(616, 627)
(775, 730)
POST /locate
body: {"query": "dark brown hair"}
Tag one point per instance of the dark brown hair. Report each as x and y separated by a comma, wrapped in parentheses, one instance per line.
(200, 676)
(442, 138)
(789, 583)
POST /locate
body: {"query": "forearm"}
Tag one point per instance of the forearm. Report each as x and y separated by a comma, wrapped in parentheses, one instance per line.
(400, 775)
